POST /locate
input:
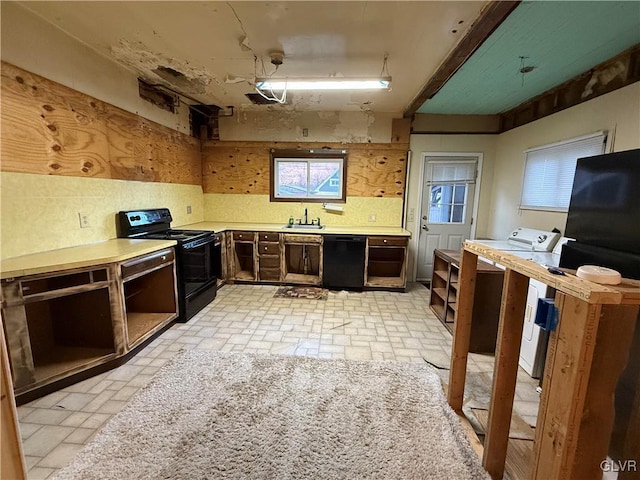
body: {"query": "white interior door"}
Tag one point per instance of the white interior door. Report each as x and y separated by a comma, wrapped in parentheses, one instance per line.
(448, 191)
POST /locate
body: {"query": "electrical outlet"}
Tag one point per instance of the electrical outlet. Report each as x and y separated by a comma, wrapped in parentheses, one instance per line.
(305, 132)
(188, 209)
(84, 220)
(372, 217)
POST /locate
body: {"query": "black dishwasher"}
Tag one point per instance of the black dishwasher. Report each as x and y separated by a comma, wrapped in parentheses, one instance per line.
(343, 261)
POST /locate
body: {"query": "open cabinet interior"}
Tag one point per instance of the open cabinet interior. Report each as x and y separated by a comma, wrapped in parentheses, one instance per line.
(69, 331)
(149, 302)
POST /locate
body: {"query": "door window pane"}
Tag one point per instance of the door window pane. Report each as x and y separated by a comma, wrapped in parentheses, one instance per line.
(447, 203)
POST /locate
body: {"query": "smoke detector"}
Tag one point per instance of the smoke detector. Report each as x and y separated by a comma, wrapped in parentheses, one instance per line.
(277, 57)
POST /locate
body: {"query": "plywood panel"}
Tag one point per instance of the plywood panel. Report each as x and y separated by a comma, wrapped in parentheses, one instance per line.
(51, 129)
(375, 173)
(236, 169)
(373, 170)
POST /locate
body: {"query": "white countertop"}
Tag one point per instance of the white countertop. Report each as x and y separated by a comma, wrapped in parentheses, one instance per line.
(273, 227)
(109, 251)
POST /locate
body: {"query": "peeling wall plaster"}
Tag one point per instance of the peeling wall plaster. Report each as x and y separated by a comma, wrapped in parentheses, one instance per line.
(286, 125)
(158, 68)
(37, 46)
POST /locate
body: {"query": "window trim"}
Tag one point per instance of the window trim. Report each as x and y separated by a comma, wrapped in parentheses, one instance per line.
(320, 154)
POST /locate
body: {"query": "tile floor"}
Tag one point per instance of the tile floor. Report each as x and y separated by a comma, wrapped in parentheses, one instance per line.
(246, 318)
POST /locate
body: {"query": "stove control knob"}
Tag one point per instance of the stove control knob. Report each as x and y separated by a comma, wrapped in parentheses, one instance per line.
(542, 238)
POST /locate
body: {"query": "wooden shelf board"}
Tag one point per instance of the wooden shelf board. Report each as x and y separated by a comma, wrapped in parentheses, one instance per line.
(438, 310)
(375, 281)
(141, 323)
(301, 278)
(245, 275)
(62, 359)
(442, 293)
(442, 274)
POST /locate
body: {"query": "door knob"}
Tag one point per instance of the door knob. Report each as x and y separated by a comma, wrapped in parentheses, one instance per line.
(425, 228)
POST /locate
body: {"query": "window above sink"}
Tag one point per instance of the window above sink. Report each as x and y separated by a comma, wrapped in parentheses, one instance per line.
(309, 175)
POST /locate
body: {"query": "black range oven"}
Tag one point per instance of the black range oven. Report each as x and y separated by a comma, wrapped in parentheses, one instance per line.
(197, 255)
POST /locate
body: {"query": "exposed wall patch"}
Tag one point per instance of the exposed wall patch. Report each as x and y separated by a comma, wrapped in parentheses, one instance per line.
(158, 68)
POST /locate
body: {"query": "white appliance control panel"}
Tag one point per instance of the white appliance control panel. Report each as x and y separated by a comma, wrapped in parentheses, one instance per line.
(538, 240)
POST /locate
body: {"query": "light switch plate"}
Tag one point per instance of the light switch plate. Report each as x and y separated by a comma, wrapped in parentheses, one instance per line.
(188, 209)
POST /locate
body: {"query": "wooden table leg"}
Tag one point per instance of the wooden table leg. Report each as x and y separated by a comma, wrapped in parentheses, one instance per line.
(586, 356)
(462, 332)
(505, 373)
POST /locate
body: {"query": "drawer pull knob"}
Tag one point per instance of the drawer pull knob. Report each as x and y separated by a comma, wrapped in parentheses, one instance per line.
(164, 257)
(240, 236)
(266, 248)
(384, 241)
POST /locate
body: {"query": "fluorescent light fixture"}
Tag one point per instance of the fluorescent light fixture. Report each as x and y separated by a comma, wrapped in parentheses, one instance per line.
(282, 84)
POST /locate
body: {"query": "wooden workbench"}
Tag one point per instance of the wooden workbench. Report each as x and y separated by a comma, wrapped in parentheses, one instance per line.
(586, 355)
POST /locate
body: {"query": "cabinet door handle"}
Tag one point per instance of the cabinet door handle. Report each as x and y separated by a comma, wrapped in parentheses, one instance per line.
(266, 248)
(240, 236)
(164, 257)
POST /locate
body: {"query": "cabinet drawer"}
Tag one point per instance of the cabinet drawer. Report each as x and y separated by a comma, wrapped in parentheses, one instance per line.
(146, 263)
(272, 261)
(387, 241)
(268, 237)
(272, 274)
(265, 248)
(244, 236)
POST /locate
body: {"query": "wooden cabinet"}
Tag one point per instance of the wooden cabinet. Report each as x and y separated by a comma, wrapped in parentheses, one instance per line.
(148, 295)
(302, 259)
(64, 323)
(59, 324)
(486, 305)
(386, 262)
(243, 256)
(269, 257)
(296, 258)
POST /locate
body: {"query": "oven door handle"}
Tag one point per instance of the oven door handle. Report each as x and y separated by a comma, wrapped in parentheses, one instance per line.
(198, 243)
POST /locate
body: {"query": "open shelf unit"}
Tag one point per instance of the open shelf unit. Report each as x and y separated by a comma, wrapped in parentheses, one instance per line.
(57, 325)
(243, 249)
(149, 295)
(302, 261)
(386, 262)
(486, 307)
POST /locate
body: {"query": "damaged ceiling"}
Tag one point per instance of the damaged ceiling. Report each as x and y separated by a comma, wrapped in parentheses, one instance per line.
(212, 51)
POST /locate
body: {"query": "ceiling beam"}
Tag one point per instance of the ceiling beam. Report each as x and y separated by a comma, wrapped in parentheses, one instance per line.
(490, 18)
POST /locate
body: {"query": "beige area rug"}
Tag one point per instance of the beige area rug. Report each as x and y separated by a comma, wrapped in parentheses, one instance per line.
(209, 415)
(313, 293)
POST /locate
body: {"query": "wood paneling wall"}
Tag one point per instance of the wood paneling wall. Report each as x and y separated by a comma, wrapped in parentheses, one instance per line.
(373, 169)
(51, 129)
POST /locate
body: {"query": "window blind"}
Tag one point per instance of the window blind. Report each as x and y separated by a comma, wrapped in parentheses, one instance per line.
(549, 171)
(453, 171)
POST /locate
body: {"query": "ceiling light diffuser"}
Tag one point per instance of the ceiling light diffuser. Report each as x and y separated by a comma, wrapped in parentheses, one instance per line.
(282, 84)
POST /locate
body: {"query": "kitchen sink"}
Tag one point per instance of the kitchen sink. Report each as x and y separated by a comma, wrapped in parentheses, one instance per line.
(296, 226)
